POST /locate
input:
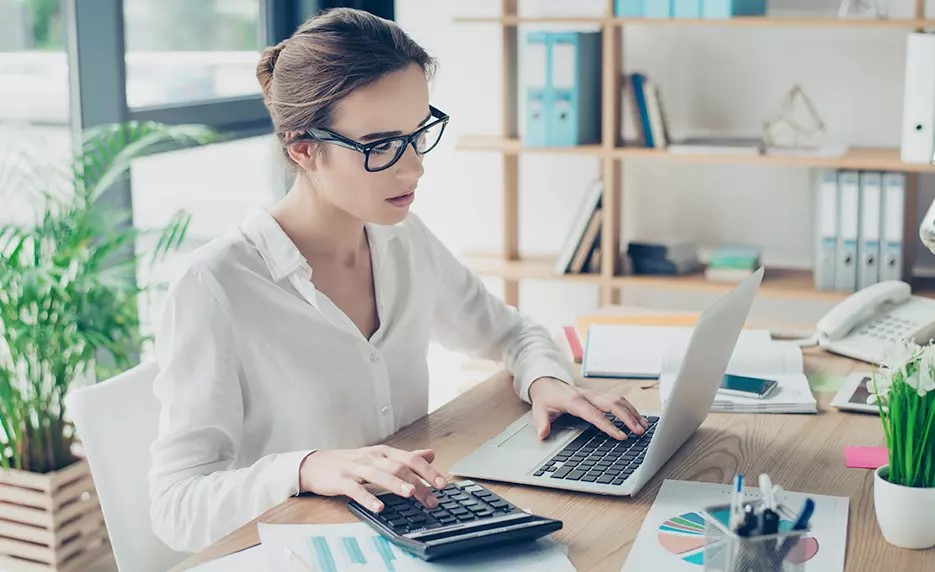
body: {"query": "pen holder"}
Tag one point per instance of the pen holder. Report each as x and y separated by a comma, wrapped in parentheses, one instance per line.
(726, 551)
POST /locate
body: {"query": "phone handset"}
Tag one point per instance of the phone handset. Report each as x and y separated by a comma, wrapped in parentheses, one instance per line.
(860, 306)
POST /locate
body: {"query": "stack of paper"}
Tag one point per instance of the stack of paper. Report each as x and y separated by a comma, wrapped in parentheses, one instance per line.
(636, 351)
(780, 361)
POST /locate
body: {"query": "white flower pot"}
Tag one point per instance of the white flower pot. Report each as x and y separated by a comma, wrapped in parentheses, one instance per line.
(906, 515)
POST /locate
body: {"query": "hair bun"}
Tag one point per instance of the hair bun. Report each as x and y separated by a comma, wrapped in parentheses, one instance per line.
(265, 67)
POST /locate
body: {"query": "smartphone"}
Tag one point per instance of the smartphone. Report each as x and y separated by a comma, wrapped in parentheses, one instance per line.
(742, 386)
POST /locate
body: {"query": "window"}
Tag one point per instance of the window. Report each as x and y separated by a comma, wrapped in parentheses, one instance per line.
(34, 102)
(179, 51)
(218, 185)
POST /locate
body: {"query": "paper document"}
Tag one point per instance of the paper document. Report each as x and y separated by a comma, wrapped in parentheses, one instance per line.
(673, 534)
(251, 559)
(779, 361)
(637, 351)
(357, 548)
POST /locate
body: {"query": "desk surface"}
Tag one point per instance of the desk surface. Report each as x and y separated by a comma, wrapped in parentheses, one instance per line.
(802, 452)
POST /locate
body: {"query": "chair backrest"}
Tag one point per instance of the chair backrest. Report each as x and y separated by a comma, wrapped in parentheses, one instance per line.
(117, 421)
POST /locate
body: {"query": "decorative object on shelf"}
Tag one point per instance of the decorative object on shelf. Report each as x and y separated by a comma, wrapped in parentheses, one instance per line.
(798, 124)
(904, 490)
(68, 315)
(863, 9)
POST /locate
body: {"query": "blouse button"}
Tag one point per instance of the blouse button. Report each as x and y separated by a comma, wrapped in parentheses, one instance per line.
(385, 409)
(374, 358)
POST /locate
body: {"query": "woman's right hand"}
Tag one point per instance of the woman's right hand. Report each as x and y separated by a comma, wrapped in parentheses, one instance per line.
(342, 472)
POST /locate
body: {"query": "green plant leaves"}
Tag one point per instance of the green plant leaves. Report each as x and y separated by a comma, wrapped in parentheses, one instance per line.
(68, 289)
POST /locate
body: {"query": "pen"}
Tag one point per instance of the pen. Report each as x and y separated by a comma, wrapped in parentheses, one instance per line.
(801, 523)
(769, 518)
(766, 489)
(298, 562)
(735, 503)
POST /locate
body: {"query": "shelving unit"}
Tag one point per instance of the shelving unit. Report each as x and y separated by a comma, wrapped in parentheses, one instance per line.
(512, 268)
(739, 22)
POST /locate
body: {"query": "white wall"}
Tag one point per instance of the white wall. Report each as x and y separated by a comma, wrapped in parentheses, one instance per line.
(723, 80)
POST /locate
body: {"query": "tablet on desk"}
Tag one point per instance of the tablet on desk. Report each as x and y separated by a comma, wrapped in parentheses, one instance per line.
(854, 393)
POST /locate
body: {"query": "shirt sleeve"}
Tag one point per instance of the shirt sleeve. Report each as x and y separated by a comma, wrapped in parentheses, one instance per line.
(196, 497)
(470, 319)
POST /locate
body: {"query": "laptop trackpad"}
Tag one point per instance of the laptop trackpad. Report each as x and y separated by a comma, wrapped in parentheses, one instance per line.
(528, 438)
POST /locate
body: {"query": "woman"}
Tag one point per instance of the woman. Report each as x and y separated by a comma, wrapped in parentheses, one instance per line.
(295, 343)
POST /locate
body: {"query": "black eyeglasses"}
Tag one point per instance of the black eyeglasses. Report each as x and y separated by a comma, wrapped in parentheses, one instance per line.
(384, 153)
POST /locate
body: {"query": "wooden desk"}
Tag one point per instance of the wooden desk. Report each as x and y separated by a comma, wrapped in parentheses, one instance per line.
(802, 452)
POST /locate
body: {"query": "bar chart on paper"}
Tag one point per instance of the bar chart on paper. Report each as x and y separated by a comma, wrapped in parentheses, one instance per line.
(349, 552)
(356, 547)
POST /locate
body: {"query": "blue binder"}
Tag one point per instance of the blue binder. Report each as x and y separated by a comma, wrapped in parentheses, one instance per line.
(631, 8)
(658, 8)
(538, 92)
(575, 82)
(730, 8)
(686, 8)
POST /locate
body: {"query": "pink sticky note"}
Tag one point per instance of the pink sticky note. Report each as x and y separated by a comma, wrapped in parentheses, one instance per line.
(866, 457)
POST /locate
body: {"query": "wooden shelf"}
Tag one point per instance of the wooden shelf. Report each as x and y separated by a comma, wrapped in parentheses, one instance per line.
(739, 22)
(515, 146)
(872, 159)
(533, 267)
(867, 158)
(777, 283)
(780, 22)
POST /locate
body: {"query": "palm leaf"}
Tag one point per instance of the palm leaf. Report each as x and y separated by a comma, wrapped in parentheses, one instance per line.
(109, 150)
(69, 289)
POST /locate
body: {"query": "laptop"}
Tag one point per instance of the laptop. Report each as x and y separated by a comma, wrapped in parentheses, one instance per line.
(578, 457)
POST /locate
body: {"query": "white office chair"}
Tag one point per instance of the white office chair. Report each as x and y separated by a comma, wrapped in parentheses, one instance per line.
(117, 421)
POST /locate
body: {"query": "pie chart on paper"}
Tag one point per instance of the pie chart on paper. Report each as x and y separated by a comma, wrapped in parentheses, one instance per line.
(683, 537)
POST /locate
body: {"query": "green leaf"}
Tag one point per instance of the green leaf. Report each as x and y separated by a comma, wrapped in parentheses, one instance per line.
(69, 289)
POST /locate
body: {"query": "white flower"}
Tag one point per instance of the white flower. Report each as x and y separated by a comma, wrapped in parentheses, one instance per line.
(879, 385)
(925, 379)
(899, 355)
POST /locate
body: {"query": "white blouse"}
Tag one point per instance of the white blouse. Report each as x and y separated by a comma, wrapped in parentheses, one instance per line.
(257, 368)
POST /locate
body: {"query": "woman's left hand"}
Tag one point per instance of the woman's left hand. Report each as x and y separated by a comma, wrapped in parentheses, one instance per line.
(551, 398)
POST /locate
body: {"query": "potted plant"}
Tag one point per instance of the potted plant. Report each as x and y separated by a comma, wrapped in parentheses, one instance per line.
(904, 490)
(68, 315)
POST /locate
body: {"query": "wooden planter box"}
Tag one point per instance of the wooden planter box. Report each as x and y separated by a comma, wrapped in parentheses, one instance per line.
(51, 521)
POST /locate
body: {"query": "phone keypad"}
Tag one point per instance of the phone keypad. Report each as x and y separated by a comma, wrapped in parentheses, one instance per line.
(889, 327)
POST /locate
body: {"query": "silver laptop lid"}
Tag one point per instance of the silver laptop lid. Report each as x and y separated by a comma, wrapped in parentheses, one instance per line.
(700, 373)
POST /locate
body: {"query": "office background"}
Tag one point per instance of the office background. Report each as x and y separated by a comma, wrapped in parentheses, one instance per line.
(194, 62)
(71, 64)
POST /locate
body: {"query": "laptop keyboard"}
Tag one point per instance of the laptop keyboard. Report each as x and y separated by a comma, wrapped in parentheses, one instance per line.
(595, 457)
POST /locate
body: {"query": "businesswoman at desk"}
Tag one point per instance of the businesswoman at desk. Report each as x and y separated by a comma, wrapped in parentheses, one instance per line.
(294, 344)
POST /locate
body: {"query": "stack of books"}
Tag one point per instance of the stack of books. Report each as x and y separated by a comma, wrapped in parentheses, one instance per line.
(581, 252)
(670, 257)
(733, 263)
(641, 96)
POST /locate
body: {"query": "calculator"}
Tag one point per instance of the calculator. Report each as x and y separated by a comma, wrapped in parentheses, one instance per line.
(468, 517)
